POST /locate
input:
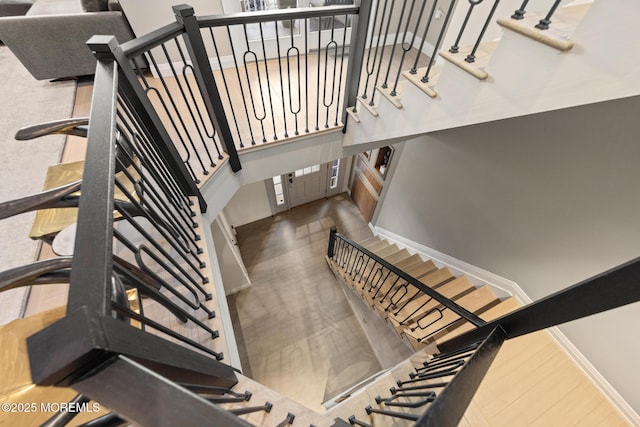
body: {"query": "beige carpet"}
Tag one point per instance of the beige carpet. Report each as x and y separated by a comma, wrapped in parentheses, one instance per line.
(24, 101)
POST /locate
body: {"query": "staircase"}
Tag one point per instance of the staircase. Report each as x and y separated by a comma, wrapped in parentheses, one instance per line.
(415, 316)
(426, 305)
(518, 70)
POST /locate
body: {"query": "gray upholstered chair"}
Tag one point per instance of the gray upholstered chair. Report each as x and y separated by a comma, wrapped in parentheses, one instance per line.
(50, 40)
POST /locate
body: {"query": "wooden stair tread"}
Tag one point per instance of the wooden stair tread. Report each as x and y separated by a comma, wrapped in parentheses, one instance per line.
(388, 251)
(476, 68)
(379, 246)
(476, 302)
(416, 271)
(503, 307)
(563, 23)
(416, 79)
(397, 256)
(433, 280)
(370, 241)
(410, 262)
(452, 290)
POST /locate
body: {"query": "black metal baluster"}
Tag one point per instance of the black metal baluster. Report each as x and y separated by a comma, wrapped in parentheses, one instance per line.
(164, 253)
(371, 64)
(519, 13)
(355, 422)
(143, 267)
(409, 316)
(287, 421)
(384, 43)
(318, 76)
(414, 68)
(224, 81)
(436, 48)
(472, 4)
(284, 110)
(159, 327)
(393, 285)
(306, 74)
(156, 199)
(408, 48)
(247, 410)
(132, 200)
(244, 101)
(401, 415)
(293, 48)
(546, 21)
(180, 201)
(210, 134)
(263, 116)
(130, 273)
(344, 41)
(266, 72)
(175, 107)
(207, 86)
(150, 89)
(395, 41)
(332, 44)
(471, 57)
(426, 315)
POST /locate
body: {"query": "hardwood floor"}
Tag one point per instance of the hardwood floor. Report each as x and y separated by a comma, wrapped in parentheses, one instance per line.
(296, 329)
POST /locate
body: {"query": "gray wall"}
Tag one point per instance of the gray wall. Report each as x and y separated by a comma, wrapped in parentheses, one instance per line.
(544, 200)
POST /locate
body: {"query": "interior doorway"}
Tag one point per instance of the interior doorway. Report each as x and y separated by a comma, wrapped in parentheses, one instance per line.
(305, 185)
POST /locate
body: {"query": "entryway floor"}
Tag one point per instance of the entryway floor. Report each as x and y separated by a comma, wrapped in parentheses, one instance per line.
(295, 329)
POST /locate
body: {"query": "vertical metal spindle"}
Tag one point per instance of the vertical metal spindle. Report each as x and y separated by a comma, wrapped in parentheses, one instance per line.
(384, 43)
(318, 77)
(306, 74)
(194, 106)
(546, 21)
(293, 48)
(344, 40)
(472, 55)
(331, 45)
(436, 48)
(249, 52)
(244, 101)
(472, 3)
(266, 72)
(414, 68)
(332, 241)
(284, 110)
(224, 81)
(413, 39)
(519, 13)
(395, 41)
(371, 64)
(132, 91)
(173, 102)
(152, 90)
(206, 82)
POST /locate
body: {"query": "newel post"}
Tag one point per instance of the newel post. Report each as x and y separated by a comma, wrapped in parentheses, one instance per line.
(206, 83)
(332, 241)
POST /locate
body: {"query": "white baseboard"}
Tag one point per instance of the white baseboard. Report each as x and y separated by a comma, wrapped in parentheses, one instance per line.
(509, 287)
(596, 378)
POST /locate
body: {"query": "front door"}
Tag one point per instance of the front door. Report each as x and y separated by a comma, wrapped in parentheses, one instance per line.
(306, 185)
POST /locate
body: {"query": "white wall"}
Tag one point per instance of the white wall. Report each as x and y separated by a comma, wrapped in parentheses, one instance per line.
(546, 201)
(250, 203)
(234, 274)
